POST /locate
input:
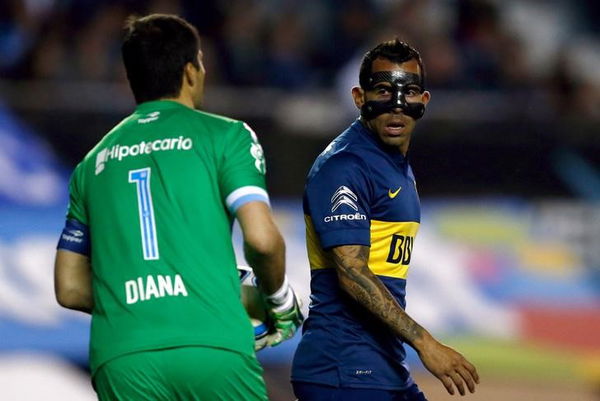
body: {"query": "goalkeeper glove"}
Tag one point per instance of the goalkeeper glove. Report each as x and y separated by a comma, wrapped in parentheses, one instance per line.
(261, 334)
(285, 313)
(253, 301)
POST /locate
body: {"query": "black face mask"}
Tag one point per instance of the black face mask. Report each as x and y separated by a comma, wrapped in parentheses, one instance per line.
(401, 83)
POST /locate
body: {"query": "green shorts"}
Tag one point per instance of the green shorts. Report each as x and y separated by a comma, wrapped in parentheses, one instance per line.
(184, 373)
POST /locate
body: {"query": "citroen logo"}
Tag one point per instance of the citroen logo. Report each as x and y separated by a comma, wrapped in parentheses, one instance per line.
(343, 196)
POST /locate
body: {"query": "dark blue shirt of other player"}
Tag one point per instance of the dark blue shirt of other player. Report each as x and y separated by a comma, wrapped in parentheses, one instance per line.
(358, 192)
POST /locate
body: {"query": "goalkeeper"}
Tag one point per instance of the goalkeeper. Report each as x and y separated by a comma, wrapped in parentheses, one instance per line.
(146, 248)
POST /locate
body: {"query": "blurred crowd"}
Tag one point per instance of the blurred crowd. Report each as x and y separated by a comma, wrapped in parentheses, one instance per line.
(490, 45)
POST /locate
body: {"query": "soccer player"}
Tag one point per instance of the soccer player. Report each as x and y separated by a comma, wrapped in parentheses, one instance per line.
(362, 214)
(147, 249)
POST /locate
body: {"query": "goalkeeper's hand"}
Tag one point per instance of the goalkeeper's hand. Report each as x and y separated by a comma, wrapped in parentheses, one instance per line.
(285, 314)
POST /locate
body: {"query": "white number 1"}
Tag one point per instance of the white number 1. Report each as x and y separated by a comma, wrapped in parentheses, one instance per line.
(141, 178)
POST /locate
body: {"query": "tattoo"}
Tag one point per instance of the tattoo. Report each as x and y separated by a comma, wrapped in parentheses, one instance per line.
(360, 283)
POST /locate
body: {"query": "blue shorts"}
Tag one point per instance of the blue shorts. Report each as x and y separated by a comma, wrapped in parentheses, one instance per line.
(319, 392)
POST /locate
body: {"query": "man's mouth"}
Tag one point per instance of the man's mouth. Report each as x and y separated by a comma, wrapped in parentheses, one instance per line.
(395, 127)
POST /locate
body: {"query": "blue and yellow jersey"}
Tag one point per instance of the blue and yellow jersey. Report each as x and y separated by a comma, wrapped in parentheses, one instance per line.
(358, 192)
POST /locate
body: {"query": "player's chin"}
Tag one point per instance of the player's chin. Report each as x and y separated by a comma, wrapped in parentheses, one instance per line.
(394, 140)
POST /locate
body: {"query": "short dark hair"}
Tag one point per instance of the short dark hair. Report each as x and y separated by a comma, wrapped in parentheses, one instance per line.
(393, 50)
(155, 50)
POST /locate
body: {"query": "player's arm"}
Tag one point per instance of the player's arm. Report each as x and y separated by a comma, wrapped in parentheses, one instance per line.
(242, 181)
(264, 249)
(356, 279)
(73, 281)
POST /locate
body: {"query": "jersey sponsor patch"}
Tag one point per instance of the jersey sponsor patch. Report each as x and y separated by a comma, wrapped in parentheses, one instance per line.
(75, 238)
(391, 247)
(119, 152)
(343, 196)
(148, 118)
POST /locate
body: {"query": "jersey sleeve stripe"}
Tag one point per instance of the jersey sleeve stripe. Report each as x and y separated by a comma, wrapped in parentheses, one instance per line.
(244, 195)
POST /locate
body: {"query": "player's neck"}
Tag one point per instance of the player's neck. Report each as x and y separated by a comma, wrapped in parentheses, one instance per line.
(185, 96)
(184, 100)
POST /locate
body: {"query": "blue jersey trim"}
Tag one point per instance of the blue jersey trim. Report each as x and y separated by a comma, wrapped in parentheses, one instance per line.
(248, 198)
(243, 195)
(75, 237)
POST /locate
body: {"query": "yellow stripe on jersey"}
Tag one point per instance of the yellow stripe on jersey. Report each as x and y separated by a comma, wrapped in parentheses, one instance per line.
(317, 257)
(391, 247)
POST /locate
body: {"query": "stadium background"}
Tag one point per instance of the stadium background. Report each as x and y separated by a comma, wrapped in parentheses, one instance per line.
(507, 265)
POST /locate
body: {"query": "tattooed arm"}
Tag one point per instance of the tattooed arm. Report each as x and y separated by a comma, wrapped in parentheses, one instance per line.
(356, 279)
(361, 284)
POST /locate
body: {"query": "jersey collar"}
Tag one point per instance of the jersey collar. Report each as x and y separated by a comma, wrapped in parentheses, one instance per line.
(158, 105)
(391, 152)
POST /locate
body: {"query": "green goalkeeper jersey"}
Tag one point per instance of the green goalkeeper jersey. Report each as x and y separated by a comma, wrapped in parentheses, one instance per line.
(158, 195)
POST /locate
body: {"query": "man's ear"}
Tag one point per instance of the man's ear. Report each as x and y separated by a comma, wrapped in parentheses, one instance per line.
(358, 94)
(425, 97)
(189, 74)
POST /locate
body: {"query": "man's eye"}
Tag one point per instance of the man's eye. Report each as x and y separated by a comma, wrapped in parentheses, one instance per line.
(413, 91)
(382, 91)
